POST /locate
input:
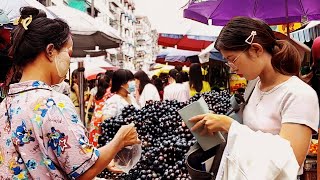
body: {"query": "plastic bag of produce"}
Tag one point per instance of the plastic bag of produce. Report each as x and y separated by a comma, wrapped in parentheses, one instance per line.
(128, 157)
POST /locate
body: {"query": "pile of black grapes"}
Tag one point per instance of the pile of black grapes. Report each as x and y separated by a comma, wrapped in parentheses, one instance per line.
(165, 139)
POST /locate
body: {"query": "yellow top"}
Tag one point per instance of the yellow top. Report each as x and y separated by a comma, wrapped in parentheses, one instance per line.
(74, 97)
(205, 88)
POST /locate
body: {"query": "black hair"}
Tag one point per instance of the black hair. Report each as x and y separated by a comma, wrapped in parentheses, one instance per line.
(99, 75)
(176, 75)
(143, 78)
(109, 73)
(120, 77)
(185, 77)
(103, 85)
(154, 77)
(74, 74)
(158, 84)
(195, 77)
(178, 68)
(285, 57)
(28, 44)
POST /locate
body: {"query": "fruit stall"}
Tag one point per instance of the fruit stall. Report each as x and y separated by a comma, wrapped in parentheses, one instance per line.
(165, 140)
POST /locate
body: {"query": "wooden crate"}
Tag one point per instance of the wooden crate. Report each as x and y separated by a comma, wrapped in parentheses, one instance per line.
(309, 175)
(310, 168)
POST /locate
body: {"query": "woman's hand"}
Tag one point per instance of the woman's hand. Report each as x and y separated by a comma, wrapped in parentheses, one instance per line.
(211, 123)
(127, 135)
(112, 168)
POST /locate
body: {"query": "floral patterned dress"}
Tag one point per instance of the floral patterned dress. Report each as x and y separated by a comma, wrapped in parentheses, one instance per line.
(41, 135)
(94, 128)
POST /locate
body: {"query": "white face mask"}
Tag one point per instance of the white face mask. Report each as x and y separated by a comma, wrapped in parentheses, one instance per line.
(62, 61)
(131, 87)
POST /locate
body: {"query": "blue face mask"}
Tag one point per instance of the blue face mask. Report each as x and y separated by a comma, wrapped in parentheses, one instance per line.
(132, 86)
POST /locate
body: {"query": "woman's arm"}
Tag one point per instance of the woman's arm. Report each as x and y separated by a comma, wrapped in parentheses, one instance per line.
(107, 153)
(299, 137)
(89, 103)
(127, 135)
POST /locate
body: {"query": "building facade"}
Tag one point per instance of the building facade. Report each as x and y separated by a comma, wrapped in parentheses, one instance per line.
(124, 21)
(146, 44)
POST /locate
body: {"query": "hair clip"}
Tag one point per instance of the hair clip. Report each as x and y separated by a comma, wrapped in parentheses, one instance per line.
(24, 22)
(253, 33)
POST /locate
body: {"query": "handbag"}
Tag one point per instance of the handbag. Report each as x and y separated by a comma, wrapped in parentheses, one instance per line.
(196, 156)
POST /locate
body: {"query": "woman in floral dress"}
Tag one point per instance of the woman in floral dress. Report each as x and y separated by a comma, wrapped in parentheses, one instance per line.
(103, 93)
(41, 135)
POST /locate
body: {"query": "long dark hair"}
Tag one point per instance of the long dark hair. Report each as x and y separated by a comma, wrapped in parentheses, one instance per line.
(159, 84)
(143, 78)
(176, 75)
(74, 75)
(285, 57)
(103, 85)
(195, 77)
(28, 44)
(119, 78)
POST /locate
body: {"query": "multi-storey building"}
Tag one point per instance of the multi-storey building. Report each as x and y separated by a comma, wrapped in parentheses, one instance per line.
(146, 43)
(124, 21)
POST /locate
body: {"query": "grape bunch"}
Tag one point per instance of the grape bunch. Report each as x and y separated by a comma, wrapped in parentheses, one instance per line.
(165, 139)
(218, 102)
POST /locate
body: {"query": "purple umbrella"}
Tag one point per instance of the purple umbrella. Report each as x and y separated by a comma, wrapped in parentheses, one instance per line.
(272, 11)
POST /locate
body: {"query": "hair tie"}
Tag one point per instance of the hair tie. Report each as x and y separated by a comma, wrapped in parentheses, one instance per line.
(25, 22)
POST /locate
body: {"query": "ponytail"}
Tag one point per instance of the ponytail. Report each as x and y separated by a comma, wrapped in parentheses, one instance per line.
(176, 75)
(286, 58)
(179, 77)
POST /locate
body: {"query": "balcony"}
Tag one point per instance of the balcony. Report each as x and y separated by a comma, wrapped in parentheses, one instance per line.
(113, 9)
(114, 24)
(141, 48)
(117, 3)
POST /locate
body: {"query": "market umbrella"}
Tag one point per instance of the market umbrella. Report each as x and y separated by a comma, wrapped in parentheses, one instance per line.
(93, 66)
(195, 37)
(175, 56)
(166, 68)
(90, 71)
(87, 32)
(219, 12)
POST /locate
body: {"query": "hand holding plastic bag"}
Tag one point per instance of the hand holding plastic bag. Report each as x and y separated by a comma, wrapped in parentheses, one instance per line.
(128, 157)
(131, 153)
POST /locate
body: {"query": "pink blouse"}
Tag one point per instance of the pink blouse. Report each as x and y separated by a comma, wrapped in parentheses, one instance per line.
(41, 135)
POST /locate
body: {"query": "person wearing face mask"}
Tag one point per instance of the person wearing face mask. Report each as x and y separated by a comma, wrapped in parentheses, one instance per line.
(146, 91)
(123, 87)
(42, 136)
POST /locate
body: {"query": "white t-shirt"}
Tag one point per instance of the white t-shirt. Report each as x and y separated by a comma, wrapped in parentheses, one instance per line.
(115, 104)
(94, 91)
(292, 101)
(177, 91)
(150, 92)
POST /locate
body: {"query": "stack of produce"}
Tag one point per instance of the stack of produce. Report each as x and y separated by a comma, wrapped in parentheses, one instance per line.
(165, 139)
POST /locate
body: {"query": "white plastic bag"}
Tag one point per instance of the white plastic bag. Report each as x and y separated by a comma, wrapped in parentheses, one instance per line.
(128, 157)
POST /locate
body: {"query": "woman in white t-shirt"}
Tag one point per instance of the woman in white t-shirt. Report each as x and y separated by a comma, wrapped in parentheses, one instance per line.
(281, 103)
(123, 86)
(145, 90)
(176, 89)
